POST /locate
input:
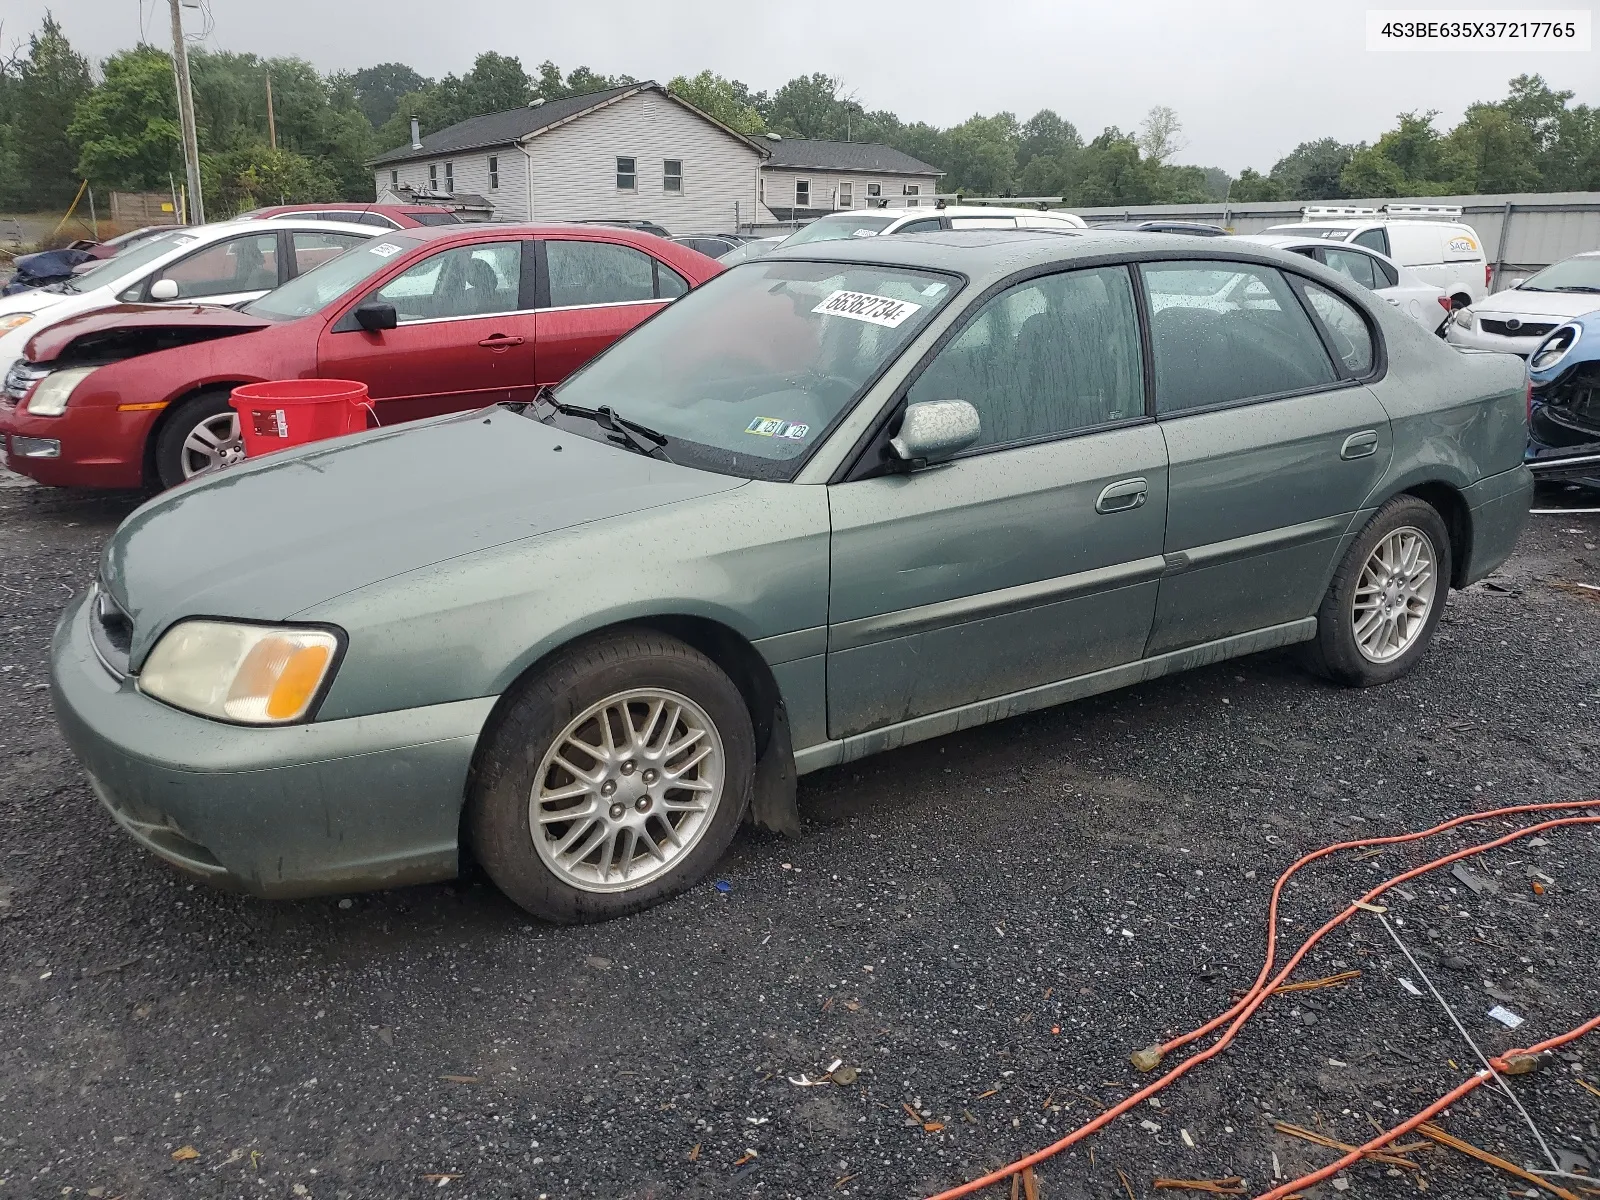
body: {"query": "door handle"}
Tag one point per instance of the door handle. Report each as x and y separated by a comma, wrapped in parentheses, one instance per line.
(1122, 496)
(500, 341)
(1359, 445)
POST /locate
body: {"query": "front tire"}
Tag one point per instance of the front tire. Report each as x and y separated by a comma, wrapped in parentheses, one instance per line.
(201, 434)
(1386, 598)
(614, 780)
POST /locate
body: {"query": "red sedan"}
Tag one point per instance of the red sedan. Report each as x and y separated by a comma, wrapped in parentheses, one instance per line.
(432, 320)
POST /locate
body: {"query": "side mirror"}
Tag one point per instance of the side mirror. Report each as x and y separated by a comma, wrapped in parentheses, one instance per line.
(164, 290)
(1516, 283)
(377, 317)
(935, 431)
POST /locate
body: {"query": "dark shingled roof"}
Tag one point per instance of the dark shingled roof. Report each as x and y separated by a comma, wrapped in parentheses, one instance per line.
(865, 157)
(504, 128)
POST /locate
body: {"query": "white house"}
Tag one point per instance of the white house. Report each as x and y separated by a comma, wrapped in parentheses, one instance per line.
(632, 153)
(803, 178)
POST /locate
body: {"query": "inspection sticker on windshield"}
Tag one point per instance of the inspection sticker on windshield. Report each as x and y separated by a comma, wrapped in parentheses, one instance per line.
(383, 249)
(777, 427)
(864, 306)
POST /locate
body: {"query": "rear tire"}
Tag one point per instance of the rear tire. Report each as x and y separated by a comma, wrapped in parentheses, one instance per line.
(202, 432)
(651, 805)
(1386, 598)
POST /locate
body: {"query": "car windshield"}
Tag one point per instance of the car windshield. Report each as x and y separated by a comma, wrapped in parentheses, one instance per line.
(747, 373)
(138, 255)
(321, 286)
(1573, 275)
(839, 226)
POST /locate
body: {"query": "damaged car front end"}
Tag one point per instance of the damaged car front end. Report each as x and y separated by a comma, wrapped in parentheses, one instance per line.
(1564, 404)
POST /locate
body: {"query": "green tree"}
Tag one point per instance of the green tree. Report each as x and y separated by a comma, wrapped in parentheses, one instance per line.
(44, 88)
(720, 98)
(126, 129)
(1312, 170)
(1046, 134)
(1252, 186)
(1491, 151)
(378, 89)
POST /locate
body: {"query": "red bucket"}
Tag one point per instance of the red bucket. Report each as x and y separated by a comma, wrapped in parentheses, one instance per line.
(292, 412)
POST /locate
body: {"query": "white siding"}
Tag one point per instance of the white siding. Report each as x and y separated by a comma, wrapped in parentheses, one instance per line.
(780, 183)
(575, 168)
(471, 174)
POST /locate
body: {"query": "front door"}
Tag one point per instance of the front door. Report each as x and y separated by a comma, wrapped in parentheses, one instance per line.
(595, 291)
(1035, 555)
(1274, 443)
(465, 337)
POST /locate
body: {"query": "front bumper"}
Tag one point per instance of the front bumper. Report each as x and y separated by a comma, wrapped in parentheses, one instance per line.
(95, 446)
(367, 802)
(1477, 339)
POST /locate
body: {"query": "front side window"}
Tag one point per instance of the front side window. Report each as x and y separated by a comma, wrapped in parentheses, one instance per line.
(311, 250)
(494, 172)
(466, 281)
(922, 225)
(627, 177)
(747, 372)
(1354, 265)
(315, 290)
(802, 193)
(1352, 340)
(1222, 332)
(1372, 239)
(672, 175)
(242, 264)
(598, 273)
(1045, 358)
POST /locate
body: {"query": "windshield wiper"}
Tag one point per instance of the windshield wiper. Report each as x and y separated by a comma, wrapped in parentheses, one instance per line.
(1577, 287)
(639, 438)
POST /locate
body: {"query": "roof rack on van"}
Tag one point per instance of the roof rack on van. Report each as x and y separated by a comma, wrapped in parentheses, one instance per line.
(1423, 210)
(1317, 212)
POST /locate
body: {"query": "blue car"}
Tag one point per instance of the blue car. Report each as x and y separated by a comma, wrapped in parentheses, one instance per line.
(1564, 404)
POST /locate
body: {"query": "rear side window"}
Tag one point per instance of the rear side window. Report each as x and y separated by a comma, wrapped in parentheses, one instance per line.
(1224, 332)
(923, 226)
(1045, 358)
(1372, 239)
(601, 273)
(1353, 265)
(311, 250)
(1352, 340)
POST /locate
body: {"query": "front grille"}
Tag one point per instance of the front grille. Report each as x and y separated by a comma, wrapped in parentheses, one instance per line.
(20, 378)
(111, 631)
(1523, 328)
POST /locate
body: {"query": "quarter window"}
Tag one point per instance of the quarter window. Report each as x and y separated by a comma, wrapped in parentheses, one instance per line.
(1352, 340)
(802, 193)
(494, 172)
(468, 281)
(1353, 264)
(669, 284)
(1223, 332)
(1045, 358)
(627, 178)
(1372, 239)
(672, 175)
(598, 273)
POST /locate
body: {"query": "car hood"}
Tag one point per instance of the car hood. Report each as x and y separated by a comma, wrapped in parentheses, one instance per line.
(275, 537)
(203, 320)
(1517, 303)
(34, 300)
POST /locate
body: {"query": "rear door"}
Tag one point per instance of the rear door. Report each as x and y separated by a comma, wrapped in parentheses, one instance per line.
(591, 292)
(1034, 556)
(465, 336)
(1273, 440)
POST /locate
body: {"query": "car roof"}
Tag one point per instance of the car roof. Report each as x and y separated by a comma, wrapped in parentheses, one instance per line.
(1355, 222)
(985, 256)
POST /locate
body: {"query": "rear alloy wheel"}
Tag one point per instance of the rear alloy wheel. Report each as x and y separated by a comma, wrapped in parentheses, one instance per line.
(1386, 597)
(202, 435)
(614, 779)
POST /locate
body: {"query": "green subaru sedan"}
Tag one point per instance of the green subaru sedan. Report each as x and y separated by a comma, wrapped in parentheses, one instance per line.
(833, 501)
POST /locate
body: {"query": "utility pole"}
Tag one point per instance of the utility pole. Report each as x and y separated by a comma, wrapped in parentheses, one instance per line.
(191, 140)
(272, 124)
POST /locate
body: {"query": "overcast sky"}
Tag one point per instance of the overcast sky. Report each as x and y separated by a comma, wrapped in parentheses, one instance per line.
(1250, 79)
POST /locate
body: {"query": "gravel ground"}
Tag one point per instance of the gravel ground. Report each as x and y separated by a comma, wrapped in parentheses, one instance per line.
(983, 927)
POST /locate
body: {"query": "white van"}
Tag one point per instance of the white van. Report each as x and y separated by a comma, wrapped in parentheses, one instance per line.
(1431, 239)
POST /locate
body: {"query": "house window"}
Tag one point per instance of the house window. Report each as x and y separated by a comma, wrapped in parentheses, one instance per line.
(762, 181)
(494, 172)
(874, 190)
(802, 193)
(627, 179)
(912, 190)
(847, 195)
(433, 177)
(450, 177)
(394, 179)
(672, 175)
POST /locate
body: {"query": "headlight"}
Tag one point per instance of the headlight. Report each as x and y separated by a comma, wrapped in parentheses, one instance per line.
(253, 674)
(14, 321)
(1462, 317)
(1555, 347)
(50, 394)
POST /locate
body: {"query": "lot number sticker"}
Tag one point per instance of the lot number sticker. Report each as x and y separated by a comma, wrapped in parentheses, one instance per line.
(777, 427)
(384, 249)
(864, 306)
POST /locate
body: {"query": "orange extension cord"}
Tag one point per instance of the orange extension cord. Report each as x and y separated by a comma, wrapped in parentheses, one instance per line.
(1266, 982)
